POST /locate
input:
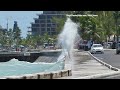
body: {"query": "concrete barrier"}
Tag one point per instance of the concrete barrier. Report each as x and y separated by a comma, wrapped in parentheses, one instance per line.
(44, 75)
(47, 75)
(70, 72)
(64, 73)
(103, 63)
(56, 74)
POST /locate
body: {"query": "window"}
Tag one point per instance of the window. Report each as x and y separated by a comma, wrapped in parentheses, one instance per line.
(37, 25)
(43, 25)
(48, 29)
(53, 29)
(49, 21)
(42, 17)
(53, 25)
(97, 45)
(33, 25)
(33, 29)
(48, 25)
(46, 12)
(36, 21)
(42, 21)
(49, 16)
(42, 29)
(36, 29)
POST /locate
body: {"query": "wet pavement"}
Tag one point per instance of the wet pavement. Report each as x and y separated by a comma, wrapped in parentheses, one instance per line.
(85, 66)
(47, 59)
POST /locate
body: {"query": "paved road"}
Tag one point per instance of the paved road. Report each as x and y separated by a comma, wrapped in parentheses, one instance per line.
(111, 77)
(110, 57)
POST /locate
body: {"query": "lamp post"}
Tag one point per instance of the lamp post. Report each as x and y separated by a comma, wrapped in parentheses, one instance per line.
(8, 18)
(7, 24)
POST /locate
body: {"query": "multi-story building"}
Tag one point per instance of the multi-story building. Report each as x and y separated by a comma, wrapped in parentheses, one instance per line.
(44, 23)
(3, 30)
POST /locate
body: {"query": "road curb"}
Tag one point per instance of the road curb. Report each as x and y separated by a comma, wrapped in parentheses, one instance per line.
(103, 63)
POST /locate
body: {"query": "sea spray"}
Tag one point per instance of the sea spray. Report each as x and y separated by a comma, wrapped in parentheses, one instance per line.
(67, 39)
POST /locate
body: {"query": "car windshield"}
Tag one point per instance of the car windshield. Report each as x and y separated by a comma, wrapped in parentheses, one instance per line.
(48, 45)
(97, 45)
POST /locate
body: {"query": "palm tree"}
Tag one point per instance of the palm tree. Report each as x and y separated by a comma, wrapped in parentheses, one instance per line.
(116, 15)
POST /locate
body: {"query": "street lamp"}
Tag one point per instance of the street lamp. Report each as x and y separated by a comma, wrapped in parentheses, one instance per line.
(7, 24)
(71, 15)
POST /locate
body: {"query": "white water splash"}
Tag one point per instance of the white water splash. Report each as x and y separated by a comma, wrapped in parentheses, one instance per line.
(67, 39)
(14, 67)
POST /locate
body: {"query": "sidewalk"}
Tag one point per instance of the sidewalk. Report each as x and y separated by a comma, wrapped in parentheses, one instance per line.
(108, 49)
(85, 67)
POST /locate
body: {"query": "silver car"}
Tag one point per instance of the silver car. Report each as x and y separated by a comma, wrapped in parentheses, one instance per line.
(97, 48)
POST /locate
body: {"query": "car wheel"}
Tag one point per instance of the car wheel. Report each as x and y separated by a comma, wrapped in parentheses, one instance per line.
(117, 52)
(102, 52)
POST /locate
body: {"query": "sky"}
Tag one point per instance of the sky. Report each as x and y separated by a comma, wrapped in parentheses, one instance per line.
(23, 18)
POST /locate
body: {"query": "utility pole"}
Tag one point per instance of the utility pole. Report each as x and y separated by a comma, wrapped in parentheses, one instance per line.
(7, 24)
(29, 31)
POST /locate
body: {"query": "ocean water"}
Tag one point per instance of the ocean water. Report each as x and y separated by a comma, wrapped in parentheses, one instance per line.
(14, 67)
(66, 38)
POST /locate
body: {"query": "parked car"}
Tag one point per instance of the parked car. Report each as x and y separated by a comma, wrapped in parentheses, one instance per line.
(118, 48)
(49, 46)
(109, 44)
(97, 48)
(82, 44)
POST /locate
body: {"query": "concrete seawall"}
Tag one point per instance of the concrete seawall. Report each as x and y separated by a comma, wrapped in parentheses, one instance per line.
(36, 57)
(84, 67)
(48, 75)
(26, 56)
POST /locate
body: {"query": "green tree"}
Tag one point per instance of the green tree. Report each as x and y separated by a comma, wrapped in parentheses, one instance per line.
(99, 27)
(3, 37)
(16, 34)
(116, 15)
(60, 23)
